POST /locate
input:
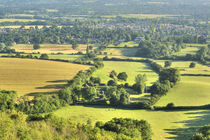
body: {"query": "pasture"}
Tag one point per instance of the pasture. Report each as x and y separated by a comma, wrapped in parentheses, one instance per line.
(131, 68)
(30, 77)
(183, 66)
(130, 51)
(50, 48)
(191, 91)
(165, 125)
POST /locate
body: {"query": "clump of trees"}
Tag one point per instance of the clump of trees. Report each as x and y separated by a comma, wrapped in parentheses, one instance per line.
(203, 133)
(167, 64)
(36, 46)
(133, 128)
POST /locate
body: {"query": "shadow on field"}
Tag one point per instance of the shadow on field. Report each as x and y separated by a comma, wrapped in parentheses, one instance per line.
(54, 85)
(42, 93)
(130, 52)
(202, 118)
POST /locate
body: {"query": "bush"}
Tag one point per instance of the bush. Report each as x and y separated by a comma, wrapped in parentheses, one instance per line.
(36, 46)
(192, 65)
(170, 105)
(112, 83)
(122, 76)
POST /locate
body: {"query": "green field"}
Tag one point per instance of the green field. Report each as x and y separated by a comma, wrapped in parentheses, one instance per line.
(131, 68)
(118, 52)
(49, 48)
(191, 91)
(165, 125)
(28, 76)
(188, 50)
(129, 44)
(183, 66)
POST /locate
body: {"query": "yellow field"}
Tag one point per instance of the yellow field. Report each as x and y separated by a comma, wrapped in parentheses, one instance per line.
(27, 76)
(21, 15)
(49, 48)
(20, 20)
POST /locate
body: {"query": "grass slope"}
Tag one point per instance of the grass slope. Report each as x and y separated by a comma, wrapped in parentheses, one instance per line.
(131, 68)
(27, 76)
(165, 125)
(191, 91)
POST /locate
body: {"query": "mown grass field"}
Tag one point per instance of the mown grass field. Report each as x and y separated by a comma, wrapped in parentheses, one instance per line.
(165, 125)
(131, 68)
(50, 48)
(18, 26)
(29, 77)
(191, 91)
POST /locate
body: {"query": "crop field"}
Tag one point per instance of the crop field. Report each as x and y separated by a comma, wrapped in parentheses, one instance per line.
(30, 77)
(165, 125)
(191, 91)
(21, 15)
(131, 68)
(49, 48)
(20, 20)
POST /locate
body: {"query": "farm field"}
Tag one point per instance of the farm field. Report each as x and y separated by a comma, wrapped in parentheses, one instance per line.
(131, 68)
(20, 20)
(191, 91)
(29, 77)
(49, 48)
(165, 125)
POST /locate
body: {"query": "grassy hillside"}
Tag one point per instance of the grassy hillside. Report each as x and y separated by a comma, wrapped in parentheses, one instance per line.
(165, 125)
(27, 76)
(131, 68)
(191, 91)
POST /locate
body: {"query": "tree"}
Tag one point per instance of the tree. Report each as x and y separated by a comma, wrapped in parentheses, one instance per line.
(112, 83)
(7, 99)
(122, 76)
(44, 56)
(170, 74)
(36, 46)
(75, 45)
(140, 84)
(89, 93)
(113, 74)
(168, 63)
(192, 65)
